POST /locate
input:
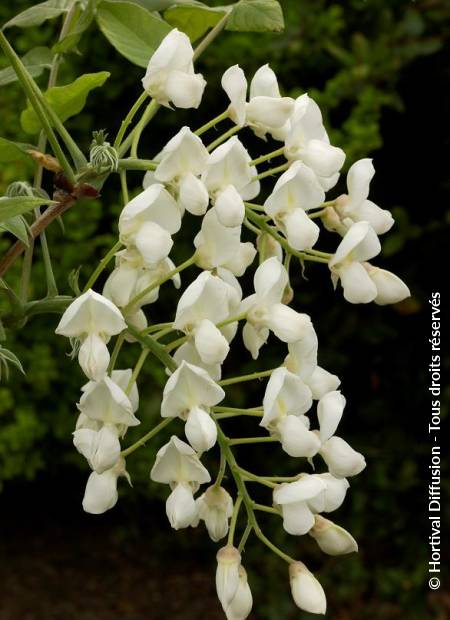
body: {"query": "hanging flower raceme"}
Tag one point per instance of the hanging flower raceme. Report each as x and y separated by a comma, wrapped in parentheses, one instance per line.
(265, 311)
(186, 176)
(295, 192)
(170, 76)
(188, 394)
(181, 162)
(308, 141)
(178, 465)
(92, 319)
(267, 111)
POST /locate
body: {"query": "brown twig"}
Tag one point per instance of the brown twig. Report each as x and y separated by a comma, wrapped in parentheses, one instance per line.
(50, 214)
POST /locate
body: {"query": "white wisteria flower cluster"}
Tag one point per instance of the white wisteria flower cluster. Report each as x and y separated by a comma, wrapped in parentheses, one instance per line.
(302, 405)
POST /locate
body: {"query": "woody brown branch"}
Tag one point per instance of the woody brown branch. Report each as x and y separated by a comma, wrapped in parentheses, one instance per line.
(50, 214)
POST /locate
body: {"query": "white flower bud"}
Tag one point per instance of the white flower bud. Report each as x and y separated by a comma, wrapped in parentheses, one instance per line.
(306, 591)
(153, 242)
(329, 412)
(193, 195)
(200, 429)
(180, 506)
(342, 460)
(210, 343)
(227, 574)
(215, 508)
(296, 439)
(331, 538)
(241, 605)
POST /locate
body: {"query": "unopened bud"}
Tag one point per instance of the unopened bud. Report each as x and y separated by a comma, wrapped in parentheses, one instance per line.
(306, 590)
(331, 538)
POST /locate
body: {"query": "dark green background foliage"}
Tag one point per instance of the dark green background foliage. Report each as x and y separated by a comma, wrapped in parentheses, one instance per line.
(378, 69)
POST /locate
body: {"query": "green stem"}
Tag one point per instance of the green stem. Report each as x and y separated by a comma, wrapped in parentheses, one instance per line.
(137, 369)
(212, 123)
(149, 113)
(316, 214)
(234, 518)
(244, 538)
(260, 221)
(233, 319)
(42, 113)
(143, 440)
(254, 478)
(222, 469)
(137, 164)
(26, 272)
(102, 265)
(222, 138)
(155, 327)
(128, 119)
(248, 440)
(114, 355)
(267, 156)
(271, 172)
(251, 377)
(263, 508)
(242, 489)
(176, 343)
(187, 263)
(212, 34)
(155, 347)
(124, 186)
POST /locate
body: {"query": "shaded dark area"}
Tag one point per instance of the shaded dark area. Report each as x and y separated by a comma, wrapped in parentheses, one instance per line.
(60, 563)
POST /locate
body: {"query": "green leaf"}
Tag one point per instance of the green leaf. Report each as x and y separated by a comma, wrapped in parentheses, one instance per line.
(256, 16)
(131, 29)
(14, 151)
(66, 101)
(152, 5)
(8, 357)
(18, 227)
(10, 207)
(38, 14)
(80, 25)
(36, 60)
(194, 19)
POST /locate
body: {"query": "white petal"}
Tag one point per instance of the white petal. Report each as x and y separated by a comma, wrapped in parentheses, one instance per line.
(287, 324)
(302, 358)
(270, 280)
(93, 357)
(180, 506)
(332, 497)
(154, 204)
(230, 207)
(210, 343)
(189, 386)
(305, 488)
(285, 394)
(235, 86)
(254, 338)
(264, 83)
(321, 381)
(101, 492)
(187, 352)
(357, 284)
(359, 177)
(323, 158)
(105, 401)
(153, 242)
(360, 244)
(301, 232)
(184, 153)
(296, 439)
(177, 462)
(185, 90)
(329, 411)
(342, 460)
(241, 259)
(241, 605)
(91, 313)
(390, 288)
(193, 195)
(269, 112)
(297, 518)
